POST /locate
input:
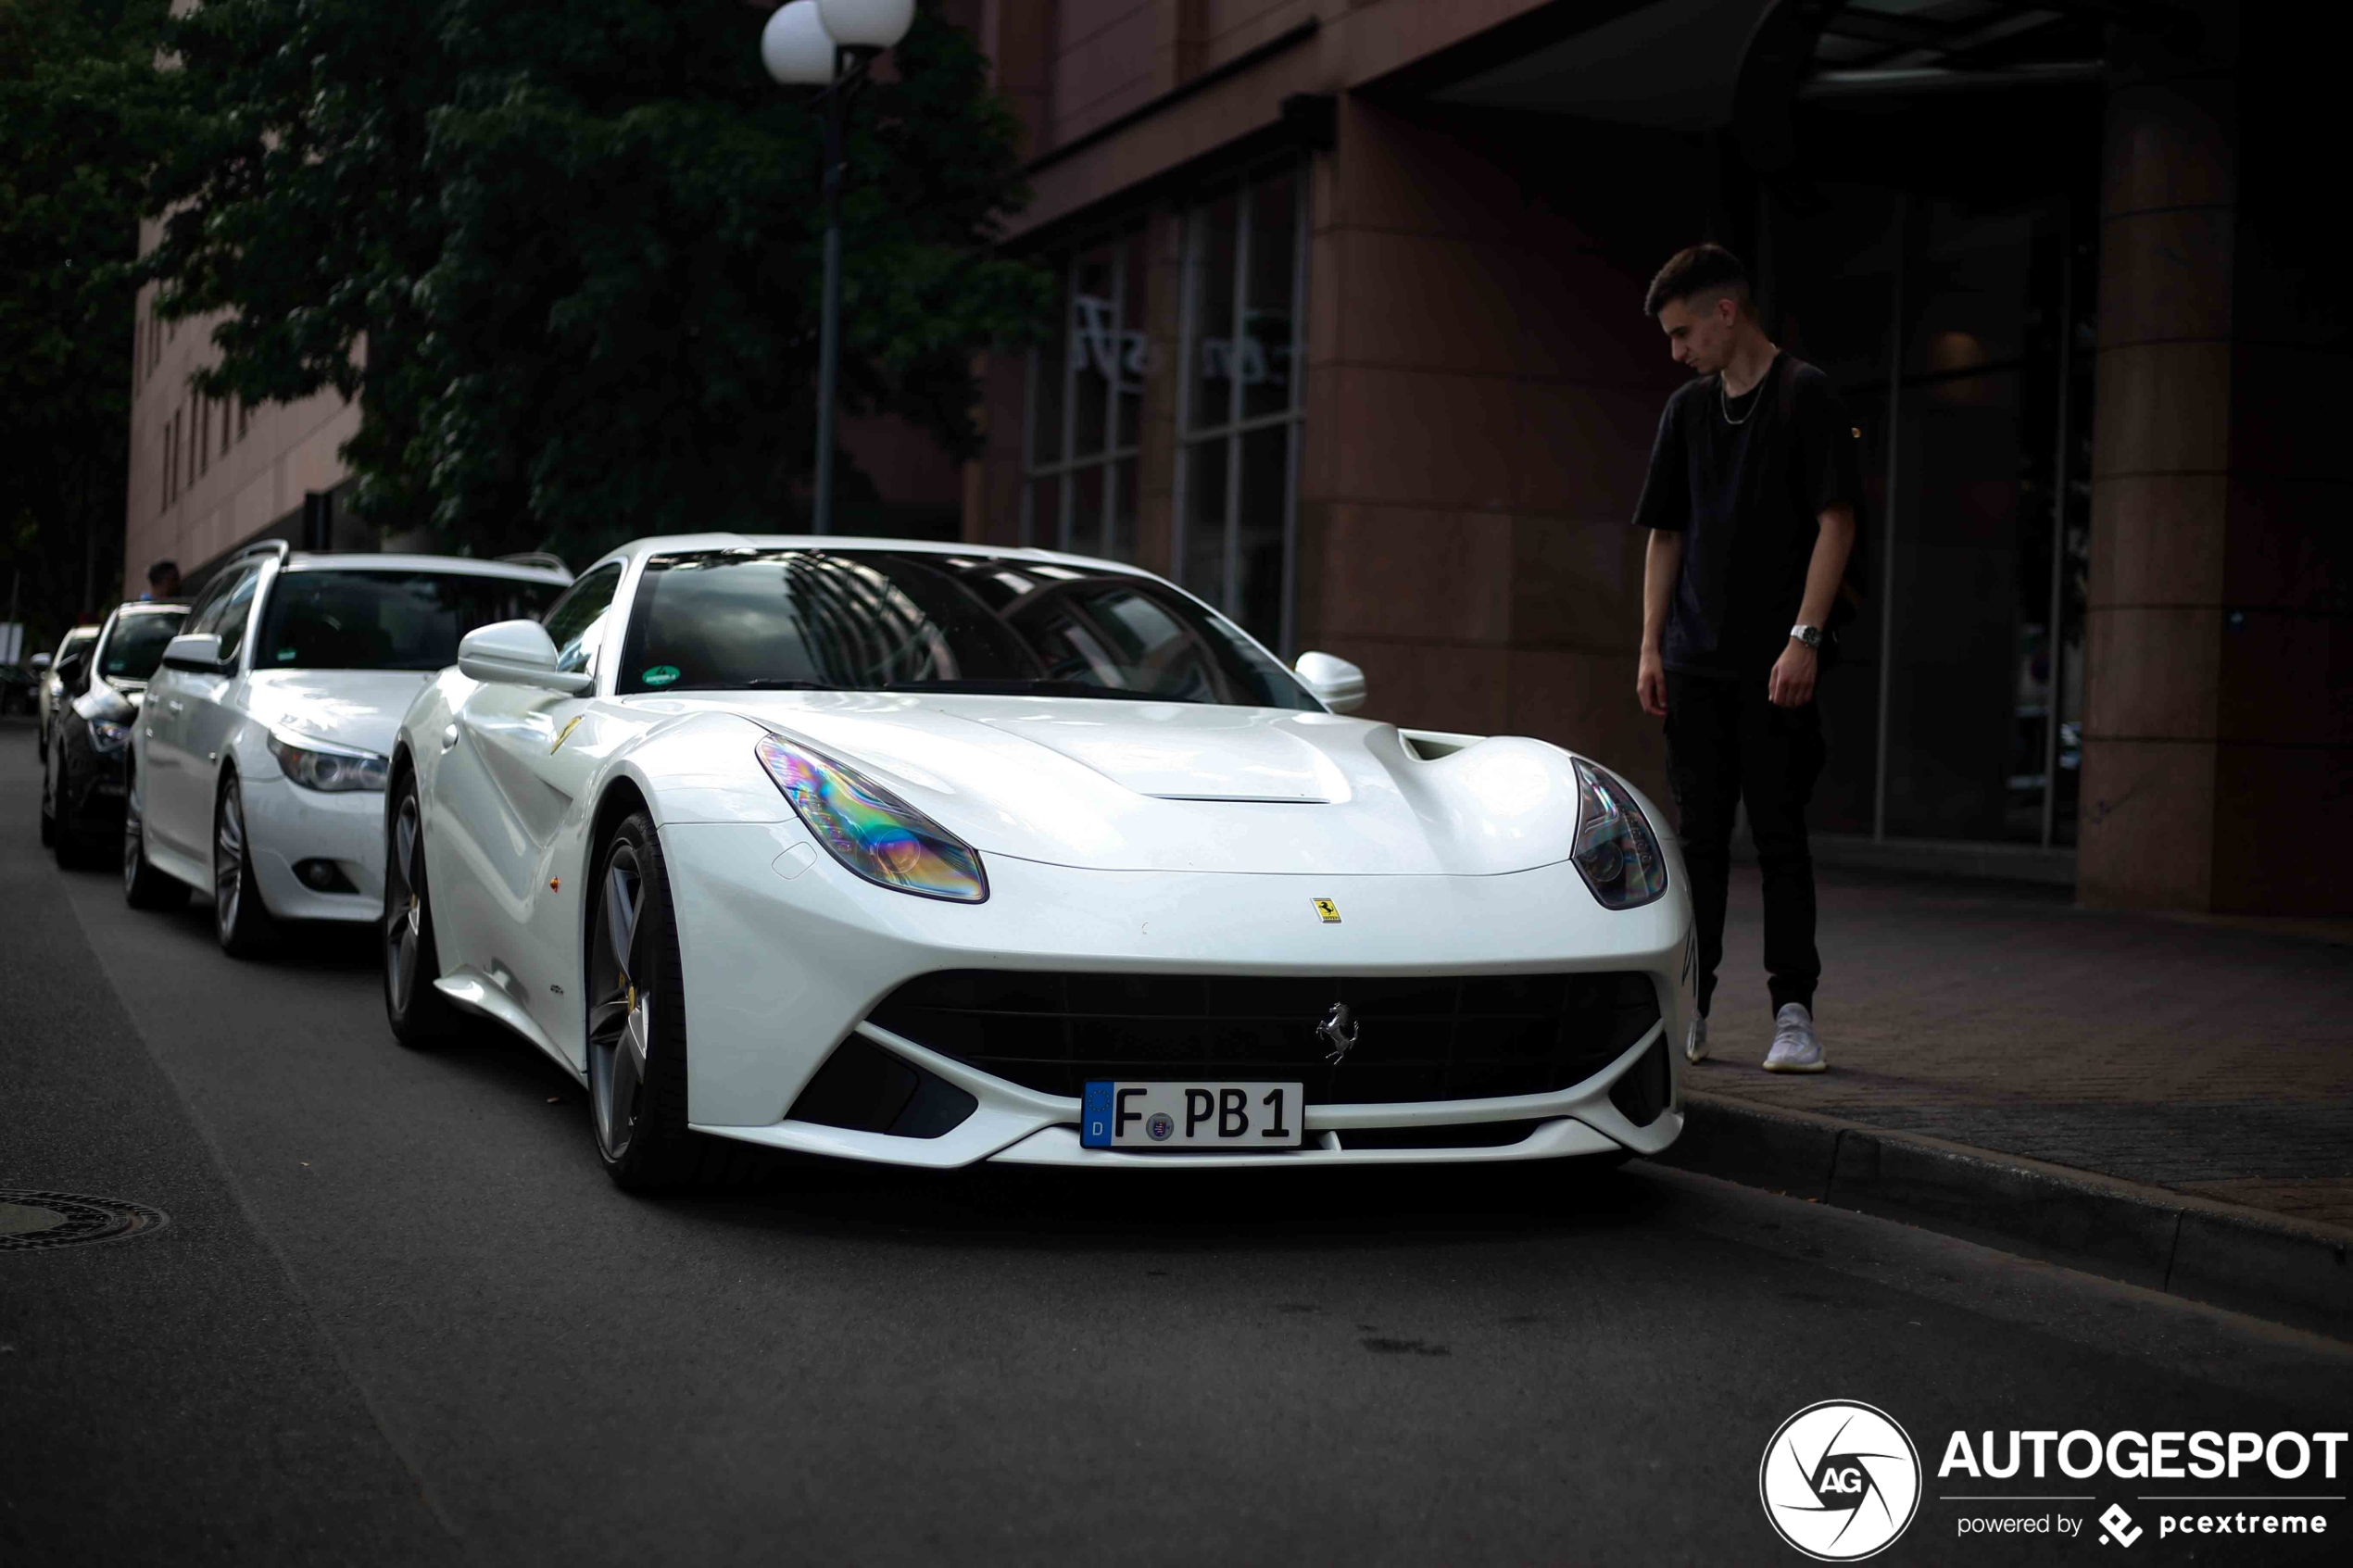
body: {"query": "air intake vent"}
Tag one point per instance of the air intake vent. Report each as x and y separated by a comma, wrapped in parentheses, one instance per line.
(1446, 1038)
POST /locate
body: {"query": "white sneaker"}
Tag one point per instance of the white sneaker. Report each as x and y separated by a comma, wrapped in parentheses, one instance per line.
(1695, 1043)
(1795, 1047)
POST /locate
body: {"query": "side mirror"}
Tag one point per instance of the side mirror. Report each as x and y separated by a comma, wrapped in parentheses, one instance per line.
(1339, 684)
(518, 653)
(197, 651)
(39, 662)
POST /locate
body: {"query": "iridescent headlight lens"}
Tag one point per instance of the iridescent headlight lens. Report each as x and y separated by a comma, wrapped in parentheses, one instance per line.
(104, 736)
(872, 830)
(1616, 849)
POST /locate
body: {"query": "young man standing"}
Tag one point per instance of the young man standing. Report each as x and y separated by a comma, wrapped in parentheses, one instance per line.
(1750, 506)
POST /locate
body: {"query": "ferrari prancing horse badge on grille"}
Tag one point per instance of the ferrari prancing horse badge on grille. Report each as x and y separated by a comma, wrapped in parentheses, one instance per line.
(1328, 911)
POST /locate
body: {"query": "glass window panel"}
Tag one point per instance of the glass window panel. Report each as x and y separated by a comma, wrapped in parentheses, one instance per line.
(1085, 533)
(1204, 559)
(1954, 708)
(1211, 358)
(1046, 372)
(1258, 592)
(1265, 351)
(1119, 533)
(1134, 345)
(1094, 349)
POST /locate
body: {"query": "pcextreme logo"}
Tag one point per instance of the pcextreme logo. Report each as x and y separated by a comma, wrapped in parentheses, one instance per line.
(1840, 1481)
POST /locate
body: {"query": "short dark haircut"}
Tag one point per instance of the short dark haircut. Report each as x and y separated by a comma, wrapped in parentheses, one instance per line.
(1708, 269)
(162, 569)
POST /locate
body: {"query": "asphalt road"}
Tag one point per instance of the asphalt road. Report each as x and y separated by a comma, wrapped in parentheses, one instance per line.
(398, 1315)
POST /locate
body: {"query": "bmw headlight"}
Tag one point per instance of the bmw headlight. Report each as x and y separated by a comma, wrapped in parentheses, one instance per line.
(105, 736)
(1616, 851)
(323, 766)
(872, 830)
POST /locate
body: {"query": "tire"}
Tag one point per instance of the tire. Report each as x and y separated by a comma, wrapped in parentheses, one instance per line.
(73, 852)
(144, 888)
(420, 1015)
(240, 920)
(637, 1031)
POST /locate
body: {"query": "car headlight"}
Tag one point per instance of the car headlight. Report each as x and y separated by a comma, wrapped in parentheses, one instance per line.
(105, 736)
(1616, 851)
(872, 830)
(333, 770)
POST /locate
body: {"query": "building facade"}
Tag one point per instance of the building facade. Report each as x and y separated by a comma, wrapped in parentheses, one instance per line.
(1352, 348)
(1350, 345)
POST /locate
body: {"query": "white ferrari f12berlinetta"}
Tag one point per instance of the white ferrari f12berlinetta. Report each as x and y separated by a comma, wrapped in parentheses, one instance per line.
(936, 854)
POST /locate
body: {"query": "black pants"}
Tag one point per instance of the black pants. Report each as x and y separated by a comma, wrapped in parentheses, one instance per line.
(1726, 743)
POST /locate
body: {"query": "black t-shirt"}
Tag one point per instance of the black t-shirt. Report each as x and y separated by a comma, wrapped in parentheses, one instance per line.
(1743, 481)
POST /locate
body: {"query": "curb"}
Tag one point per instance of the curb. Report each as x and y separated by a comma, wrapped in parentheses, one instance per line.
(2240, 1259)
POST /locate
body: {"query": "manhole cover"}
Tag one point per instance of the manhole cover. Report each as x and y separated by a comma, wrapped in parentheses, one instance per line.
(30, 1220)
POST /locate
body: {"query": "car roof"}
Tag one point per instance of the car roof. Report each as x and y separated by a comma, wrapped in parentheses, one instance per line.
(681, 543)
(79, 634)
(150, 607)
(469, 566)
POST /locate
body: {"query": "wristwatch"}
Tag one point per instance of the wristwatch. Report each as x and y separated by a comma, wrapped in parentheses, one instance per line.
(1810, 635)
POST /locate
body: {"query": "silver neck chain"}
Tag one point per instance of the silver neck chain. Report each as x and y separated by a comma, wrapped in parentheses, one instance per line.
(1724, 402)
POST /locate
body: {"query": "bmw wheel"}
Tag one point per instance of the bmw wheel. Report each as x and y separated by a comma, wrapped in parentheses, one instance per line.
(239, 918)
(638, 1027)
(144, 888)
(419, 1014)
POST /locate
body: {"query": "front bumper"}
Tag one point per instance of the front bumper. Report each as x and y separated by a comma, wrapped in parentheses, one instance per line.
(90, 795)
(286, 825)
(785, 954)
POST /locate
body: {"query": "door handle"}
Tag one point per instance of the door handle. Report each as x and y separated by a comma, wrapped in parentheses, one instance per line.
(175, 705)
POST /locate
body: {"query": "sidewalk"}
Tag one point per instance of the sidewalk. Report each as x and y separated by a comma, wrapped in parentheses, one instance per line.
(2151, 1055)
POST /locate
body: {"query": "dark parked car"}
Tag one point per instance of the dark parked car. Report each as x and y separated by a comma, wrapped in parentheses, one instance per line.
(82, 775)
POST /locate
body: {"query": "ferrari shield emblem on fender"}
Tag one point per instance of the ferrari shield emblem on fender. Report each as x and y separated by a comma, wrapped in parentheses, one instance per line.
(1326, 911)
(565, 734)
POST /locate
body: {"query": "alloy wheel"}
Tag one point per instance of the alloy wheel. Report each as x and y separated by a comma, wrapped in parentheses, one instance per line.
(621, 1011)
(403, 928)
(228, 860)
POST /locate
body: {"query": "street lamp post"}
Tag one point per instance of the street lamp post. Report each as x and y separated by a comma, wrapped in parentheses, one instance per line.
(829, 44)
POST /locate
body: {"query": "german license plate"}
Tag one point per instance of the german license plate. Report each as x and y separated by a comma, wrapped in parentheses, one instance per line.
(1228, 1117)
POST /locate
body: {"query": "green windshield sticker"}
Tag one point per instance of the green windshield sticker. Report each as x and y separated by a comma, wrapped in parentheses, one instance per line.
(286, 654)
(659, 676)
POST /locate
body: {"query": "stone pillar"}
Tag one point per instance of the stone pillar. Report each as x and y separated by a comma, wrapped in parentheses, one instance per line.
(2160, 466)
(2219, 725)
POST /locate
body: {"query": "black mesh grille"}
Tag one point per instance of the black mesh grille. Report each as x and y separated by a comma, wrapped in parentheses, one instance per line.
(1417, 1040)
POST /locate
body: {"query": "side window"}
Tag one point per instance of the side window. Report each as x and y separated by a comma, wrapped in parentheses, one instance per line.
(575, 622)
(205, 614)
(236, 608)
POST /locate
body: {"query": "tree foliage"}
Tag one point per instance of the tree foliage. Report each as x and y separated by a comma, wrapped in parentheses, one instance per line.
(566, 255)
(80, 122)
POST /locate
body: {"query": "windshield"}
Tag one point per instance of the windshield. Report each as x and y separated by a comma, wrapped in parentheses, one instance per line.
(385, 620)
(136, 646)
(894, 621)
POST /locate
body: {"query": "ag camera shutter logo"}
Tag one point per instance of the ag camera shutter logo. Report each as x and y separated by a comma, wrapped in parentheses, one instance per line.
(1840, 1481)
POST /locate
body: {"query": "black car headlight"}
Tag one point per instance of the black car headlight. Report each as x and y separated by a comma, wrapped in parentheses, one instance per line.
(328, 768)
(1617, 852)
